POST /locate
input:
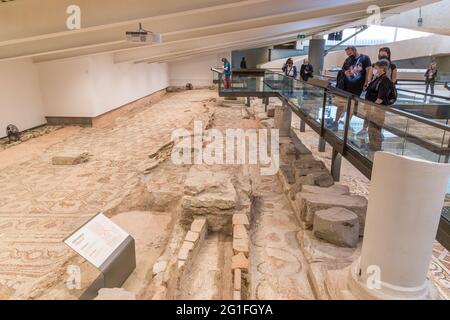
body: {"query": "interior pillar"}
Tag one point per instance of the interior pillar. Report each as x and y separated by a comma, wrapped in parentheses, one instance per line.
(405, 202)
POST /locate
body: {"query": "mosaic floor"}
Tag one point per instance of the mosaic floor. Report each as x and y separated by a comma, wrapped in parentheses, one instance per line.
(41, 204)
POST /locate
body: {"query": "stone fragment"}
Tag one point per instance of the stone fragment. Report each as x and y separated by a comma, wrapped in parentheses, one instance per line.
(262, 116)
(240, 246)
(209, 195)
(239, 261)
(159, 266)
(160, 293)
(323, 179)
(337, 189)
(187, 245)
(267, 124)
(183, 254)
(240, 218)
(192, 236)
(198, 225)
(115, 294)
(181, 264)
(70, 160)
(338, 226)
(237, 279)
(310, 203)
(240, 232)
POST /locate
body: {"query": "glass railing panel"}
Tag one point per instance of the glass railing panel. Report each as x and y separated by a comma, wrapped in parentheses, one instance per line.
(335, 113)
(373, 129)
(309, 100)
(426, 142)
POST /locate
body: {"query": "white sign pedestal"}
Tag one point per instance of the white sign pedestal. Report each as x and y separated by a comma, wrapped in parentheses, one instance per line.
(108, 248)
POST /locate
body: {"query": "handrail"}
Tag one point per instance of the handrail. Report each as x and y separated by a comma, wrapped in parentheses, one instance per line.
(392, 109)
(217, 70)
(405, 90)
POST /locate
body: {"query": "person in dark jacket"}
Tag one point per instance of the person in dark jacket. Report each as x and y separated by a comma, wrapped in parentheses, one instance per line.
(430, 77)
(306, 71)
(243, 63)
(380, 92)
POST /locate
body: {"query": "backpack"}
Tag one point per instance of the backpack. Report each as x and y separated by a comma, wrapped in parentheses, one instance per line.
(340, 80)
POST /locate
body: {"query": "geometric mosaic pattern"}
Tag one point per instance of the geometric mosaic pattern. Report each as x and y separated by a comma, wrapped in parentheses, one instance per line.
(40, 204)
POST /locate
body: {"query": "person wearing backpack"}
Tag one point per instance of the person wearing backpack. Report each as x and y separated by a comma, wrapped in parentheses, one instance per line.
(381, 90)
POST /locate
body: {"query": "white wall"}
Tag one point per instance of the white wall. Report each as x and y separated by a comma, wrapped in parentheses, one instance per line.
(20, 96)
(91, 86)
(115, 85)
(66, 87)
(196, 70)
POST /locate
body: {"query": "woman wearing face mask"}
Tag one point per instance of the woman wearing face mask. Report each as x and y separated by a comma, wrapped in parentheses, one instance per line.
(383, 54)
(381, 91)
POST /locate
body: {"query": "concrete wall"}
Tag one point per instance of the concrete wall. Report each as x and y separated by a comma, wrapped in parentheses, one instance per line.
(20, 95)
(81, 87)
(195, 70)
(114, 85)
(435, 18)
(67, 88)
(253, 57)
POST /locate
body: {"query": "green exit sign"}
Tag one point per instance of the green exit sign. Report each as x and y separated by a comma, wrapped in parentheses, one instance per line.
(301, 36)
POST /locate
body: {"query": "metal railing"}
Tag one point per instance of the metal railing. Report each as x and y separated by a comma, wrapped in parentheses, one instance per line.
(354, 127)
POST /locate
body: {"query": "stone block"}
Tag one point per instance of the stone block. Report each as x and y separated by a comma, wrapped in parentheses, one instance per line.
(337, 189)
(338, 226)
(262, 116)
(239, 261)
(187, 245)
(237, 279)
(211, 196)
(159, 266)
(192, 236)
(323, 179)
(271, 112)
(115, 294)
(70, 160)
(240, 232)
(200, 226)
(240, 218)
(183, 254)
(310, 203)
(240, 246)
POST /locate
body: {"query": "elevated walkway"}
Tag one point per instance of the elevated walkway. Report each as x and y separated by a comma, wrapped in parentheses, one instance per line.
(416, 126)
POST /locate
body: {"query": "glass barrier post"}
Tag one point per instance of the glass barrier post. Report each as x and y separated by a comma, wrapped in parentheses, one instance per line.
(347, 123)
(336, 160)
(322, 142)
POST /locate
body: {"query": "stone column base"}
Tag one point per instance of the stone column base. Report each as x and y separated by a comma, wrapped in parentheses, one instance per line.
(343, 285)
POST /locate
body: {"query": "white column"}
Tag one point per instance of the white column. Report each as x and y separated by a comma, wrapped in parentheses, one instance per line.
(405, 202)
